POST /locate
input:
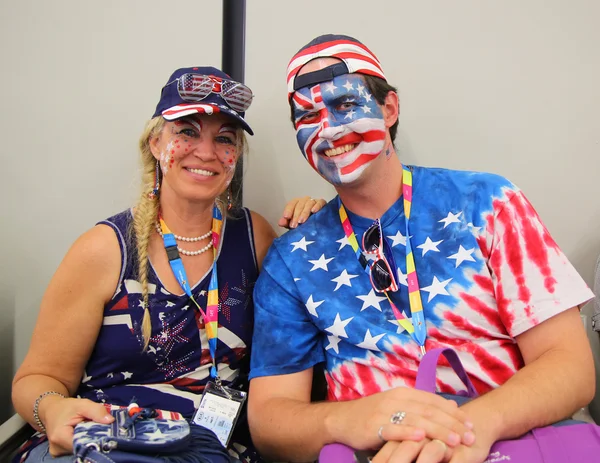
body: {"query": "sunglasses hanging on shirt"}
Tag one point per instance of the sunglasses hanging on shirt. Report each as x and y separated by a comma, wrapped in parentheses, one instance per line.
(380, 269)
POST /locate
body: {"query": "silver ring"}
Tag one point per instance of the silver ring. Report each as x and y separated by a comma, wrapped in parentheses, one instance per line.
(379, 434)
(397, 417)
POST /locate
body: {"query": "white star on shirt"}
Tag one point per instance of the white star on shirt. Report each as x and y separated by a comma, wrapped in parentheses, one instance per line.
(161, 316)
(474, 228)
(297, 279)
(348, 86)
(126, 374)
(156, 434)
(343, 242)
(350, 114)
(302, 244)
(152, 349)
(312, 305)
(203, 292)
(85, 378)
(401, 277)
(329, 87)
(141, 303)
(368, 97)
(110, 375)
(366, 109)
(397, 239)
(170, 304)
(185, 307)
(360, 89)
(370, 342)
(339, 326)
(462, 255)
(437, 287)
(429, 245)
(343, 280)
(321, 263)
(451, 218)
(333, 343)
(371, 300)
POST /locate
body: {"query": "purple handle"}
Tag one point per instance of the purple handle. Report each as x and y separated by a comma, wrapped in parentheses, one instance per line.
(426, 374)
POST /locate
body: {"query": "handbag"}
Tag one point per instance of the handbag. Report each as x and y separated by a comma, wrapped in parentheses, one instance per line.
(558, 443)
(145, 435)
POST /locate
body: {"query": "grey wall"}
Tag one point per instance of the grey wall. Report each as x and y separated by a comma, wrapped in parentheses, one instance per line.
(504, 86)
(79, 80)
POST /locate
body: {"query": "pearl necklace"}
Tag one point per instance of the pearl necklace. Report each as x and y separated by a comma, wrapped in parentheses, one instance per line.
(183, 238)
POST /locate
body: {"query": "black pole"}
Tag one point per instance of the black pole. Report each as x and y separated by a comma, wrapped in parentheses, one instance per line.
(233, 63)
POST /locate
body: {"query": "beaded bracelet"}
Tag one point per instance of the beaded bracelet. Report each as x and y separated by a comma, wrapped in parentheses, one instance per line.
(36, 416)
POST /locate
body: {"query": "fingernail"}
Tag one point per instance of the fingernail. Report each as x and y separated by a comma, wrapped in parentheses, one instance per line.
(293, 225)
(314, 209)
(453, 439)
(469, 438)
(468, 424)
(108, 418)
(418, 434)
(300, 220)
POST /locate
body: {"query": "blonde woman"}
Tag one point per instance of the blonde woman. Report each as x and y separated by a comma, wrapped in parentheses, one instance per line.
(128, 313)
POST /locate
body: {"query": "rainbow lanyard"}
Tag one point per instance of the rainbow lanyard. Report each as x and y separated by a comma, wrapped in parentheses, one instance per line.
(211, 316)
(417, 328)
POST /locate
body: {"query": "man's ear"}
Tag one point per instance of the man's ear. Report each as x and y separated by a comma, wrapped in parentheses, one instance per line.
(391, 109)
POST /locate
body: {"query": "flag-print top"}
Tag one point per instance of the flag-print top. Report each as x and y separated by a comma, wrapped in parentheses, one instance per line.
(488, 271)
(172, 373)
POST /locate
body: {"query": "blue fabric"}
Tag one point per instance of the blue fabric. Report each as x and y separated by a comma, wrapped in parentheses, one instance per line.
(488, 270)
(172, 373)
(296, 339)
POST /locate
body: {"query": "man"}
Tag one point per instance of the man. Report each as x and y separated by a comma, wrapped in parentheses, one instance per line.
(406, 259)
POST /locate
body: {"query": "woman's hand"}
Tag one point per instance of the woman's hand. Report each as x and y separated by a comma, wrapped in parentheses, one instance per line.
(298, 210)
(400, 414)
(60, 416)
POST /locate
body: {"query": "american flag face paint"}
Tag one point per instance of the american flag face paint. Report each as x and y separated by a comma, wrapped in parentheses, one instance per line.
(339, 127)
(212, 140)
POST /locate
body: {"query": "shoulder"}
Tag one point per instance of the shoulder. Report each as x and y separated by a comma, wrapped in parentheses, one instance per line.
(97, 246)
(482, 190)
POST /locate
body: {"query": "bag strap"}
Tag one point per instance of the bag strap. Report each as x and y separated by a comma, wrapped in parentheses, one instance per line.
(427, 370)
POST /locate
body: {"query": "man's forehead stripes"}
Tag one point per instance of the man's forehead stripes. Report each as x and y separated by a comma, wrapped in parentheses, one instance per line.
(357, 57)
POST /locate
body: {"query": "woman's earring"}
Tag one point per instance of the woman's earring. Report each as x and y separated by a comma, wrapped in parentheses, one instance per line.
(154, 193)
(229, 203)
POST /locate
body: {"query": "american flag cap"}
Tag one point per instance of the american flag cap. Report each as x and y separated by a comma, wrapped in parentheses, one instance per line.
(356, 56)
(172, 106)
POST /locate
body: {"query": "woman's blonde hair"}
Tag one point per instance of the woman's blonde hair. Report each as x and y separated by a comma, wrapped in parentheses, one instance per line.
(146, 210)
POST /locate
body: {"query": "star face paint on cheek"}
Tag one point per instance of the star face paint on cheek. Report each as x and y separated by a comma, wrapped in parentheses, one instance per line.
(228, 154)
(339, 127)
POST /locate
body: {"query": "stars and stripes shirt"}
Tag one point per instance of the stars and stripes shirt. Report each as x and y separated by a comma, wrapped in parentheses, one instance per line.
(488, 271)
(172, 373)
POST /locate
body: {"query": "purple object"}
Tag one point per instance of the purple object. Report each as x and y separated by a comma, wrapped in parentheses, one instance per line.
(577, 443)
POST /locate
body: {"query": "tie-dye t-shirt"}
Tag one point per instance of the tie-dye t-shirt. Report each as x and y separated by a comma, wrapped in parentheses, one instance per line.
(488, 271)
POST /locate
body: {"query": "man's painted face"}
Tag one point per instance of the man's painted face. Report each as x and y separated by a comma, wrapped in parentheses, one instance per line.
(339, 127)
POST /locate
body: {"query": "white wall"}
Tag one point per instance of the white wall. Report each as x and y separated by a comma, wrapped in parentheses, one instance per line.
(504, 86)
(79, 81)
(510, 87)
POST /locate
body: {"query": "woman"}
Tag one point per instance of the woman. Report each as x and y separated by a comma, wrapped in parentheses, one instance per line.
(127, 314)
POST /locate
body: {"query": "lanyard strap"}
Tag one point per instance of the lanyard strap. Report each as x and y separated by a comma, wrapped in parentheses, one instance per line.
(417, 329)
(211, 316)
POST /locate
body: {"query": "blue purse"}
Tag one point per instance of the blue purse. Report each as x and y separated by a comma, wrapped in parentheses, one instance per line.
(146, 436)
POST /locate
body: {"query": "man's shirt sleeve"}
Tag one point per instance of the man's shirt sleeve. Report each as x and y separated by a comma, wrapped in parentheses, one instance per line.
(533, 279)
(285, 339)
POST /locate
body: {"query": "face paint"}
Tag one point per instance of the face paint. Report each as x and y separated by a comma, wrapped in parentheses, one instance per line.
(229, 155)
(339, 127)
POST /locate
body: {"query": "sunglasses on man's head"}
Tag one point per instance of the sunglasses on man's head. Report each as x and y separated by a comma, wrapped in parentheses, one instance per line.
(382, 274)
(196, 87)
